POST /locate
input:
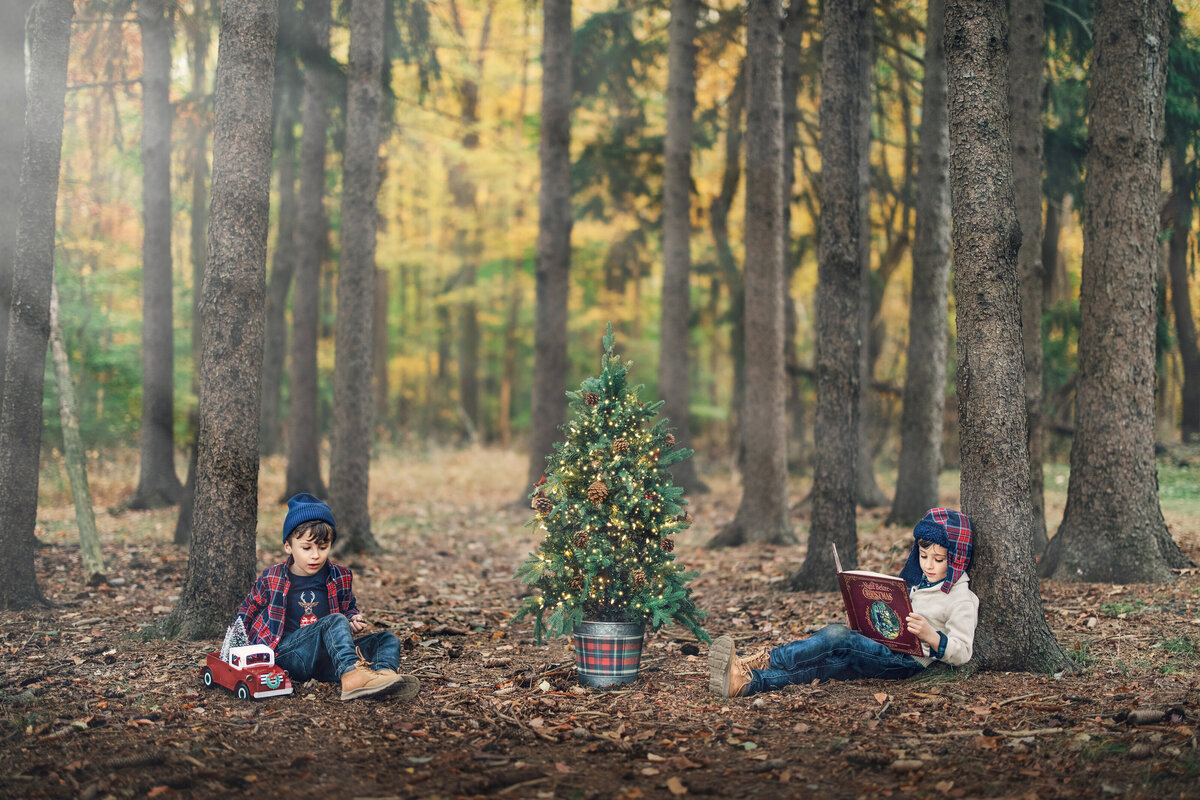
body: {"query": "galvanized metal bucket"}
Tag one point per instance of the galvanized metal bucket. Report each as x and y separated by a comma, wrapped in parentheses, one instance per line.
(608, 653)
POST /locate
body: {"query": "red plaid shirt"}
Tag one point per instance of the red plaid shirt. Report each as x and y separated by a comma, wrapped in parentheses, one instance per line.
(264, 609)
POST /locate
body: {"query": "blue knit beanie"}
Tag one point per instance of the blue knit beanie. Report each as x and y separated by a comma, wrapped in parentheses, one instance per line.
(302, 508)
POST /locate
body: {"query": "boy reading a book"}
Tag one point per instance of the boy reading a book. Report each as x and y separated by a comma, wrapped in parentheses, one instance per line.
(945, 611)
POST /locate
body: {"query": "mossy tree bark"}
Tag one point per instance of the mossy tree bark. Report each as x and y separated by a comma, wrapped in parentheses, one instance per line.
(221, 565)
(925, 377)
(29, 321)
(762, 515)
(1113, 528)
(350, 464)
(1012, 633)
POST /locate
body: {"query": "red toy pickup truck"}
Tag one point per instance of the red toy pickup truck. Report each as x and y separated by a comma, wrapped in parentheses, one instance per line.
(249, 673)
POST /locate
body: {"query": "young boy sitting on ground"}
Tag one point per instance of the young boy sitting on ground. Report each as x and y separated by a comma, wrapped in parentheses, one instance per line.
(305, 610)
(944, 614)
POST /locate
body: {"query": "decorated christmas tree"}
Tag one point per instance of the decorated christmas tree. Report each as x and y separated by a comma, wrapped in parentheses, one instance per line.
(610, 513)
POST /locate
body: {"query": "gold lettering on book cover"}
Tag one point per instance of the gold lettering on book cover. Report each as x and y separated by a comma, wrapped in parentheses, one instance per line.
(875, 591)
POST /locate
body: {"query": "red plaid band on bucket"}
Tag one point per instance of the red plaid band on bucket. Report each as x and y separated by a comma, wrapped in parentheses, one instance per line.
(605, 660)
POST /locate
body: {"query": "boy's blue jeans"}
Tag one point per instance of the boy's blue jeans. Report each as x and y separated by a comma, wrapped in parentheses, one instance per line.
(834, 652)
(325, 650)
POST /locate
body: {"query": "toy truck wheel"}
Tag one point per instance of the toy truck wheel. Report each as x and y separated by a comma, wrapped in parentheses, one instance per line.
(208, 677)
(243, 691)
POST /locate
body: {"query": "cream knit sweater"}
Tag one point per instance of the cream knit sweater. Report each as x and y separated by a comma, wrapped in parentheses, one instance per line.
(954, 613)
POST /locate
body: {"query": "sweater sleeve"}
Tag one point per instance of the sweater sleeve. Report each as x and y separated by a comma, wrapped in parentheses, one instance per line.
(253, 605)
(960, 629)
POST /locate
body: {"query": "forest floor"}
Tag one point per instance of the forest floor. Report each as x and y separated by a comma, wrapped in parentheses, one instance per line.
(92, 704)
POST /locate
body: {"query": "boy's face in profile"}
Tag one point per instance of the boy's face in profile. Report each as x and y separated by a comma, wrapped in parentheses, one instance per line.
(934, 561)
(307, 556)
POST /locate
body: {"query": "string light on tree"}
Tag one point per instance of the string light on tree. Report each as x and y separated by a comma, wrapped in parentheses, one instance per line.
(610, 474)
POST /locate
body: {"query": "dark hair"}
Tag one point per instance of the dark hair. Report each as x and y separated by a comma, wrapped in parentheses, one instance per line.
(319, 531)
(923, 543)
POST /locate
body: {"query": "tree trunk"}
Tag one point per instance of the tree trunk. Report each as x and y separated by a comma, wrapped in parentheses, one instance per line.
(839, 298)
(1185, 325)
(1113, 529)
(183, 521)
(925, 377)
(283, 262)
(222, 561)
(350, 466)
(1027, 39)
(74, 456)
(509, 376)
(793, 53)
(157, 483)
(12, 136)
(304, 435)
(762, 515)
(1012, 633)
(29, 323)
(1055, 287)
(674, 377)
(467, 243)
(718, 215)
(379, 345)
(554, 238)
(867, 491)
(198, 246)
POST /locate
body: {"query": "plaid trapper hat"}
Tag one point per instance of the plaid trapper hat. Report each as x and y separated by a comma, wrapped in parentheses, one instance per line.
(950, 529)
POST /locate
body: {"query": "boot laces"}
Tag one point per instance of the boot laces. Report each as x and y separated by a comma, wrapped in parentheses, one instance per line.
(363, 662)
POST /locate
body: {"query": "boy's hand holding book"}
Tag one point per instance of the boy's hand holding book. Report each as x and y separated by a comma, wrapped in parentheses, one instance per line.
(920, 627)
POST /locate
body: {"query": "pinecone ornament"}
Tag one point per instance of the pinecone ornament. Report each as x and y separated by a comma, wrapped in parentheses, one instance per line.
(621, 446)
(542, 504)
(598, 492)
(592, 399)
(581, 539)
(576, 583)
(638, 578)
(667, 545)
(670, 440)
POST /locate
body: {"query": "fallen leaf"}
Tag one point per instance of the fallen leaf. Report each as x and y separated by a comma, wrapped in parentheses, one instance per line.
(158, 790)
(881, 697)
(676, 787)
(561, 767)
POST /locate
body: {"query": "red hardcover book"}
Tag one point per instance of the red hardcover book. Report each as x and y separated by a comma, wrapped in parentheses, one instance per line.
(877, 606)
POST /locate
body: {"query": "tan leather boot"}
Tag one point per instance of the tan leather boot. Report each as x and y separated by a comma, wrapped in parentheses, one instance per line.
(760, 660)
(362, 681)
(406, 687)
(727, 674)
